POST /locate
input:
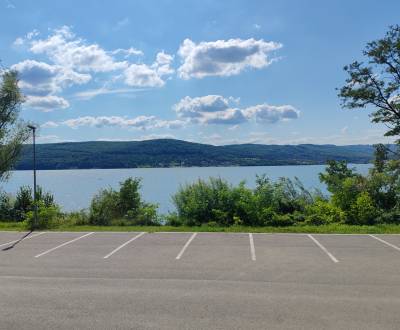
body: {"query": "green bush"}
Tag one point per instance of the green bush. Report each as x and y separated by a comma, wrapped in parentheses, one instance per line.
(202, 202)
(392, 216)
(217, 201)
(104, 207)
(281, 220)
(80, 218)
(323, 212)
(124, 206)
(362, 211)
(172, 219)
(48, 217)
(23, 203)
(7, 212)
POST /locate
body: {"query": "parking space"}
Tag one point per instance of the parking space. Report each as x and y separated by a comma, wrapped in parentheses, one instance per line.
(143, 280)
(203, 256)
(363, 259)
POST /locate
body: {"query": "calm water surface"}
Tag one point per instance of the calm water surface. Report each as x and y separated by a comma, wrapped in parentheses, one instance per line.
(73, 189)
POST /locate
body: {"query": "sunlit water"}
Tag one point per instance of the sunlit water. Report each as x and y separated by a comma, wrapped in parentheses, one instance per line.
(73, 189)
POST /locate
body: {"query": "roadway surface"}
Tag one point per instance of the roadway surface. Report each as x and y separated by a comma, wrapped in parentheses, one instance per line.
(132, 280)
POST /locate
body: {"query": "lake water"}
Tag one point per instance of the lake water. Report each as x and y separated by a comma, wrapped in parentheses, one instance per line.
(73, 189)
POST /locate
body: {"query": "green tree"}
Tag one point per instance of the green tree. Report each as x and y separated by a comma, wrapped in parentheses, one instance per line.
(380, 157)
(12, 131)
(363, 210)
(125, 206)
(335, 174)
(376, 83)
(129, 196)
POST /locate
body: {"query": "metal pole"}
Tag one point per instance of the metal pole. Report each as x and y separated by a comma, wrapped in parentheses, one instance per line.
(35, 208)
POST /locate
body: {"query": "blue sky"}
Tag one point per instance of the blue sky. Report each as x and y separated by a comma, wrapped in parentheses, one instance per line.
(218, 72)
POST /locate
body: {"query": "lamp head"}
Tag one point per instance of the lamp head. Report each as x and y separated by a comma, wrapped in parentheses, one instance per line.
(31, 127)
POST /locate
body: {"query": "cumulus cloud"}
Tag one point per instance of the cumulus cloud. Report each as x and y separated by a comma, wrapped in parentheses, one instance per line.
(227, 117)
(39, 78)
(66, 50)
(265, 113)
(140, 122)
(143, 75)
(216, 109)
(194, 107)
(73, 61)
(224, 57)
(46, 103)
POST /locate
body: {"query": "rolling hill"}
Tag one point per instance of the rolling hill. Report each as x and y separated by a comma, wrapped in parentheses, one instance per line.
(169, 153)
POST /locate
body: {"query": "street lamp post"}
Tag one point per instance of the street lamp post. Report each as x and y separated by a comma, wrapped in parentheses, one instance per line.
(35, 220)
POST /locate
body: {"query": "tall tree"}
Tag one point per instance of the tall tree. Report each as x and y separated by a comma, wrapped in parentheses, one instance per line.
(12, 130)
(376, 82)
(380, 157)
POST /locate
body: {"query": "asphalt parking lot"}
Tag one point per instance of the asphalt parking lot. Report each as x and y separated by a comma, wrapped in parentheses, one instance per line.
(104, 280)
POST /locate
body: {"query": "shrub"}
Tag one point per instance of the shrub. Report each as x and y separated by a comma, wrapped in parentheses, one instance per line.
(362, 211)
(392, 216)
(323, 212)
(124, 205)
(146, 215)
(205, 201)
(172, 219)
(48, 217)
(217, 201)
(281, 220)
(80, 218)
(6, 207)
(104, 207)
(266, 216)
(23, 203)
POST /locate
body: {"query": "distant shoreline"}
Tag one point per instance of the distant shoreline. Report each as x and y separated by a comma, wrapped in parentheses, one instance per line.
(176, 167)
(167, 153)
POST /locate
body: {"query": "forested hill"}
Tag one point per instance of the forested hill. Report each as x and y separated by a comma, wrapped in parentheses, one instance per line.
(169, 153)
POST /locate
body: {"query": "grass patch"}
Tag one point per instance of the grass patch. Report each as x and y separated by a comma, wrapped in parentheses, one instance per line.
(12, 226)
(323, 229)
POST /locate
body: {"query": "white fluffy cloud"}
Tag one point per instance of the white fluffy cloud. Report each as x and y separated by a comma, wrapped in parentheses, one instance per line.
(46, 103)
(265, 113)
(73, 61)
(39, 78)
(143, 75)
(140, 122)
(216, 109)
(227, 117)
(64, 49)
(39, 81)
(223, 57)
(194, 107)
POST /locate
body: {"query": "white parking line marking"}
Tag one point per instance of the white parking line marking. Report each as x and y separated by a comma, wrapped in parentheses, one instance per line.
(186, 245)
(28, 237)
(252, 249)
(387, 243)
(64, 244)
(323, 248)
(121, 246)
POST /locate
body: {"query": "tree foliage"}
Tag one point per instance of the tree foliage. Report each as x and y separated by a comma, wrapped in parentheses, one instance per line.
(12, 131)
(376, 82)
(124, 206)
